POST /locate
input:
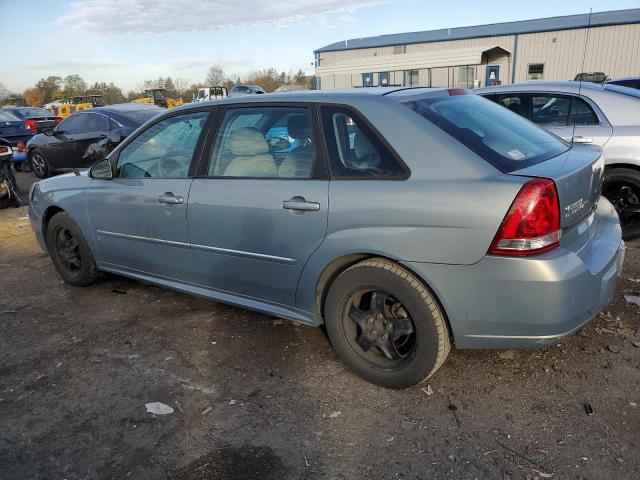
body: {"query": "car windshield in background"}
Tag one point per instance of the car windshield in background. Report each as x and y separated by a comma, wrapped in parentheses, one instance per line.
(141, 116)
(6, 116)
(506, 140)
(631, 92)
(32, 112)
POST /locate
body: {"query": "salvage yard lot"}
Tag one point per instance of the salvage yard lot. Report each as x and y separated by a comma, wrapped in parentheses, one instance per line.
(257, 397)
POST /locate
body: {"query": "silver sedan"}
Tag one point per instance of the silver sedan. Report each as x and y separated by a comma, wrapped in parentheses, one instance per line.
(582, 112)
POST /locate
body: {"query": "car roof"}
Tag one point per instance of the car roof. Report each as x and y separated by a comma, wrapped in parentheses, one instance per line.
(123, 108)
(623, 79)
(313, 96)
(564, 86)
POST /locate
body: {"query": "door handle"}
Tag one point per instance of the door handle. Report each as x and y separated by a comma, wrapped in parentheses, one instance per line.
(103, 135)
(170, 199)
(580, 139)
(301, 205)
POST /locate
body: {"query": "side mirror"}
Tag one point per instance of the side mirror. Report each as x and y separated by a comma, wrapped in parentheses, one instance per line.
(101, 170)
(49, 132)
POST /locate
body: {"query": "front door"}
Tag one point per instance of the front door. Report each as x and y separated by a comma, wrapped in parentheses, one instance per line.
(96, 127)
(493, 75)
(262, 209)
(139, 218)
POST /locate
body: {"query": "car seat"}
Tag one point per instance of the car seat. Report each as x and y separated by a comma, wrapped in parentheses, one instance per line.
(251, 157)
(297, 164)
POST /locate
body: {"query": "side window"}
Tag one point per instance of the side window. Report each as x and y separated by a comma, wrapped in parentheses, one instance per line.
(96, 123)
(264, 142)
(73, 124)
(582, 114)
(550, 110)
(354, 150)
(164, 150)
(515, 103)
(113, 125)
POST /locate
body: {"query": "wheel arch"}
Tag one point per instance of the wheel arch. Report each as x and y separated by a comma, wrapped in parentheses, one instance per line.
(622, 164)
(46, 218)
(342, 263)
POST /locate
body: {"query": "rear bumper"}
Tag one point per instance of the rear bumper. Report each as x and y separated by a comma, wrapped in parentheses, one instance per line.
(506, 302)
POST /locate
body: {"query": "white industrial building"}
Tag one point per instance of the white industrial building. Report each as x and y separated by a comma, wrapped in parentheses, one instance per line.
(555, 48)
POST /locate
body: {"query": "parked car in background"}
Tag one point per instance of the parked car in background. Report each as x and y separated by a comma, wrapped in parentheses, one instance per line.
(64, 148)
(19, 124)
(240, 90)
(606, 115)
(629, 82)
(406, 221)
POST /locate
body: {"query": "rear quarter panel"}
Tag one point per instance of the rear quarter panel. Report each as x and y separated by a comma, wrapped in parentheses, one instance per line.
(446, 212)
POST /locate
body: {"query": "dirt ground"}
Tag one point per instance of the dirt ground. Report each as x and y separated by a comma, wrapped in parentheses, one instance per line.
(259, 398)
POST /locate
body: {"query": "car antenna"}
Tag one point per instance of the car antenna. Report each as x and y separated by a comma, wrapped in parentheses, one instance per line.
(584, 58)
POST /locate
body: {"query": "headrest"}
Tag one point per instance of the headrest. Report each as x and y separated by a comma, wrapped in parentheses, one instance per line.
(366, 154)
(247, 142)
(299, 127)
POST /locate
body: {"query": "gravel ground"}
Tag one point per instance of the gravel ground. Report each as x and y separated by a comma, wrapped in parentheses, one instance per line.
(260, 398)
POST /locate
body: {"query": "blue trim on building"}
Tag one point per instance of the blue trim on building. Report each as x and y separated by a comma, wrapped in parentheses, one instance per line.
(569, 22)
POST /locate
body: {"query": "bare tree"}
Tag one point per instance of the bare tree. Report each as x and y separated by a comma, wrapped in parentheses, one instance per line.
(215, 77)
(181, 84)
(4, 93)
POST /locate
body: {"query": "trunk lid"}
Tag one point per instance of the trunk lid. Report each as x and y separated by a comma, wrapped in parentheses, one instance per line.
(10, 129)
(578, 174)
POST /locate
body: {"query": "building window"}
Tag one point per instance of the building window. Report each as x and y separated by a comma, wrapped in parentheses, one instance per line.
(412, 78)
(367, 79)
(535, 71)
(383, 79)
(398, 49)
(466, 75)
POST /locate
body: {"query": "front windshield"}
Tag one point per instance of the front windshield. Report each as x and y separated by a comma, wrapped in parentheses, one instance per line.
(506, 140)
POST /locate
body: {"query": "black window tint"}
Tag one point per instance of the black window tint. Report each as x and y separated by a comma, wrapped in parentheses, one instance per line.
(73, 124)
(507, 141)
(354, 149)
(515, 103)
(550, 110)
(582, 114)
(96, 123)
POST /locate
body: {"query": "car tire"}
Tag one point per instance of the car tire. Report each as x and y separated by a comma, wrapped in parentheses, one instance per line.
(39, 164)
(70, 252)
(375, 298)
(26, 166)
(622, 188)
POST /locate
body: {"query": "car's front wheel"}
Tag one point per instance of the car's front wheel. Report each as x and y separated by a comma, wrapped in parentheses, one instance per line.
(622, 188)
(70, 252)
(385, 325)
(39, 164)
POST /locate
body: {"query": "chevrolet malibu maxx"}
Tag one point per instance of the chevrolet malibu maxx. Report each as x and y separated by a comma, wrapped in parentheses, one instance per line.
(406, 221)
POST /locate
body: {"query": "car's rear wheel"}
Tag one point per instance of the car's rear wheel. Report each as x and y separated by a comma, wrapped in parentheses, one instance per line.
(39, 164)
(70, 252)
(385, 325)
(622, 188)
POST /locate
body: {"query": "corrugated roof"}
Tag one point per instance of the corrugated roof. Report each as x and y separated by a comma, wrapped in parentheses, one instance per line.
(569, 22)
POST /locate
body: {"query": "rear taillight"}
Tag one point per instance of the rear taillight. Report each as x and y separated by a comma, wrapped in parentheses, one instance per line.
(4, 149)
(31, 125)
(532, 224)
(57, 119)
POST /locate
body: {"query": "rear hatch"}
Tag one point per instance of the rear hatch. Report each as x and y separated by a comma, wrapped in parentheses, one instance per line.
(578, 175)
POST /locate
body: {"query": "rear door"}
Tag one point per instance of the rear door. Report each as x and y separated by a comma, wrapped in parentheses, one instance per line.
(570, 117)
(259, 209)
(139, 218)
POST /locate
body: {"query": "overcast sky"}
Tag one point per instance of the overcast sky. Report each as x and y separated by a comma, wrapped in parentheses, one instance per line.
(129, 41)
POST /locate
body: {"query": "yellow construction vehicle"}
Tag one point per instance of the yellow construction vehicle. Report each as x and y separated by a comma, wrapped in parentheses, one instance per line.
(158, 96)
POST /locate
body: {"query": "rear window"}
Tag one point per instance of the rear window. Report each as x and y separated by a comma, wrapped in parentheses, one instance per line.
(631, 92)
(32, 112)
(141, 116)
(506, 140)
(6, 116)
